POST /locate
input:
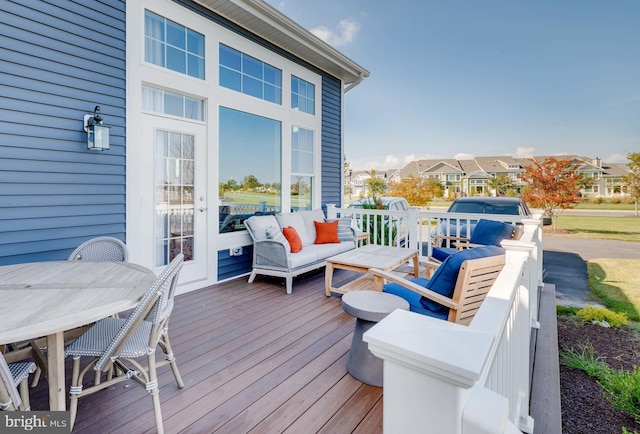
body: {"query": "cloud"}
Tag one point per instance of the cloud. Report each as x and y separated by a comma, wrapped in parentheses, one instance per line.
(616, 158)
(524, 152)
(345, 32)
(391, 162)
(463, 156)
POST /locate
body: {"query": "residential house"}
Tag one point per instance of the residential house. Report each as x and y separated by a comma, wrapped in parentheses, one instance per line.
(471, 177)
(217, 109)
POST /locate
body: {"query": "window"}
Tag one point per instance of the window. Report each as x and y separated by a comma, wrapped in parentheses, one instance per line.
(301, 168)
(170, 103)
(174, 196)
(173, 46)
(455, 177)
(303, 95)
(250, 156)
(248, 75)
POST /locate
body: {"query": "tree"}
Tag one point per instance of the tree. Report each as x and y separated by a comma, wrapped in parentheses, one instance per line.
(250, 182)
(553, 186)
(633, 178)
(502, 184)
(418, 192)
(377, 186)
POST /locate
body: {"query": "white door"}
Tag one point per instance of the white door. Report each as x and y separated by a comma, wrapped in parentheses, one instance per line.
(180, 194)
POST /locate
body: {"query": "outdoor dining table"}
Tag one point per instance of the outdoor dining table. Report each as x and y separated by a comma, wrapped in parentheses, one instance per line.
(48, 298)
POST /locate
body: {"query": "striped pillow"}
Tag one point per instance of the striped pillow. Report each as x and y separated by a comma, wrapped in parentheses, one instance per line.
(345, 233)
(274, 233)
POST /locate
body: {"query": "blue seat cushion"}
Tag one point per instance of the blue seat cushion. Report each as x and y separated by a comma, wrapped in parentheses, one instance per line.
(413, 298)
(444, 279)
(442, 253)
(491, 232)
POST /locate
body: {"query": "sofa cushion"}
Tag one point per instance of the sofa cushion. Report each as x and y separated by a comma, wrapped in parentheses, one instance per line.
(293, 238)
(491, 232)
(325, 251)
(310, 216)
(326, 232)
(442, 253)
(258, 226)
(444, 279)
(274, 233)
(413, 298)
(294, 219)
(345, 233)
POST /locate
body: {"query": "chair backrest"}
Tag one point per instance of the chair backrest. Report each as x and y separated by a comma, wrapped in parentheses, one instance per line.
(101, 249)
(475, 279)
(9, 395)
(491, 232)
(156, 304)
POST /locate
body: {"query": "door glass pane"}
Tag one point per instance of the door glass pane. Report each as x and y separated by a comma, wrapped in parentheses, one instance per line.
(174, 196)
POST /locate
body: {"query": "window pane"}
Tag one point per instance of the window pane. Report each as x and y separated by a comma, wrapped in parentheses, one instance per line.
(151, 99)
(154, 52)
(173, 104)
(251, 66)
(271, 93)
(153, 26)
(249, 167)
(230, 79)
(195, 66)
(195, 43)
(301, 193)
(194, 109)
(272, 75)
(230, 58)
(251, 86)
(176, 35)
(176, 60)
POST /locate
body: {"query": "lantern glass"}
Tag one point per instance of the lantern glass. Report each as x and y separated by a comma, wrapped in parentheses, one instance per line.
(98, 137)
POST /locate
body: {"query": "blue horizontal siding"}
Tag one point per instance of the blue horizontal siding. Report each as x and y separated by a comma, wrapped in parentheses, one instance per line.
(232, 266)
(57, 62)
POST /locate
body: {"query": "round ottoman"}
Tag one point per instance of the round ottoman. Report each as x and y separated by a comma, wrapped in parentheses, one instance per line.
(368, 307)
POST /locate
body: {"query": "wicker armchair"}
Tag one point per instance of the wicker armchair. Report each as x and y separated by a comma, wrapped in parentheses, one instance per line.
(117, 342)
(100, 249)
(14, 390)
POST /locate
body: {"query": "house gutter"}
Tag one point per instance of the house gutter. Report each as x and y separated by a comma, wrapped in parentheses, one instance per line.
(355, 83)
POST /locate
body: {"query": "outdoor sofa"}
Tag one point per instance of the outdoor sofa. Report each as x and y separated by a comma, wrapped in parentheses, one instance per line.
(275, 255)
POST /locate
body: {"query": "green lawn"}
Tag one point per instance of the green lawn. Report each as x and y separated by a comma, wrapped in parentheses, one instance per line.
(600, 227)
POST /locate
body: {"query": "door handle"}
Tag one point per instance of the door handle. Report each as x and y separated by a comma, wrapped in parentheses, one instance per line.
(202, 209)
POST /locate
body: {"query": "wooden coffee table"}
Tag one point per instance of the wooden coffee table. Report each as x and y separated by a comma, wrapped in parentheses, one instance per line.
(361, 260)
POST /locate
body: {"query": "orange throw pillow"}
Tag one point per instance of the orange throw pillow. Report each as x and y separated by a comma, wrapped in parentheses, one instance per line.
(327, 232)
(292, 236)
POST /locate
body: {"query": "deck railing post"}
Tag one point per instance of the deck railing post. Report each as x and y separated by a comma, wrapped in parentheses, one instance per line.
(331, 211)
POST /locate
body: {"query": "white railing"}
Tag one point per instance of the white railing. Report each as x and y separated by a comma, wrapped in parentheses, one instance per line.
(449, 378)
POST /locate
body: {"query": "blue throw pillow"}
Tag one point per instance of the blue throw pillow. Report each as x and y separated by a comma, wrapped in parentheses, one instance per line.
(444, 279)
(491, 232)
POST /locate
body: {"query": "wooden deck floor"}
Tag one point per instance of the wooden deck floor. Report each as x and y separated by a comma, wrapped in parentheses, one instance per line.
(253, 359)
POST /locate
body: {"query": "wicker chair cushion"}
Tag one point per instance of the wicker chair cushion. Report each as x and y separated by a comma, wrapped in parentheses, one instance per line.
(10, 376)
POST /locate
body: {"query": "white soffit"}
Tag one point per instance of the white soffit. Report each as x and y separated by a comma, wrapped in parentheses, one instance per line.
(265, 21)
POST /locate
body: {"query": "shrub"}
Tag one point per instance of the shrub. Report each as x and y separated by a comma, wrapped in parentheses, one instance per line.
(585, 360)
(623, 390)
(598, 200)
(599, 314)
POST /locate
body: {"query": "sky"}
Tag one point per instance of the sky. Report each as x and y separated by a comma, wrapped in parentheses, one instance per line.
(465, 78)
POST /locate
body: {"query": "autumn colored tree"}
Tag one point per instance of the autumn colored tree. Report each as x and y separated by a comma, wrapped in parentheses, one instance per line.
(418, 192)
(633, 177)
(553, 186)
(502, 184)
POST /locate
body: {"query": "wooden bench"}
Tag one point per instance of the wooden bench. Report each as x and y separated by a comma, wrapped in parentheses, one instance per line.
(475, 279)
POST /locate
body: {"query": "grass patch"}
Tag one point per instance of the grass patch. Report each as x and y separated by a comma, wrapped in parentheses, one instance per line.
(616, 282)
(600, 227)
(567, 310)
(621, 388)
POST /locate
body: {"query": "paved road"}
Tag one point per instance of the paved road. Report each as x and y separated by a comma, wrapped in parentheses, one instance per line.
(564, 262)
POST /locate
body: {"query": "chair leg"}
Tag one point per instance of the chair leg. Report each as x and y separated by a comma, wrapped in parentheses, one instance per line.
(76, 382)
(165, 344)
(24, 395)
(252, 277)
(152, 388)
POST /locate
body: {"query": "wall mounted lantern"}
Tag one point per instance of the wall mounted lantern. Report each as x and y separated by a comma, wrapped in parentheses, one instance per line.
(97, 134)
